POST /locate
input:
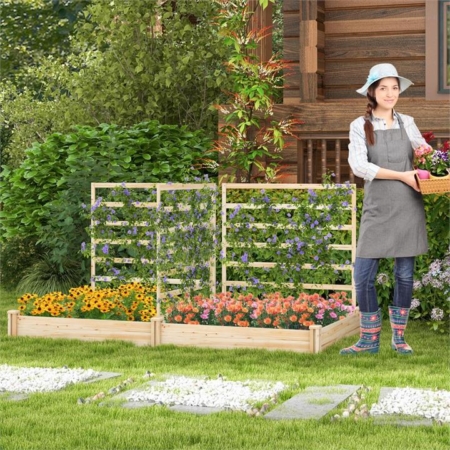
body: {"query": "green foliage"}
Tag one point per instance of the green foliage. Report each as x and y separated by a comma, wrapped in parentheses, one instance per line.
(32, 31)
(34, 46)
(42, 198)
(17, 255)
(46, 276)
(250, 141)
(156, 234)
(127, 63)
(295, 231)
(168, 69)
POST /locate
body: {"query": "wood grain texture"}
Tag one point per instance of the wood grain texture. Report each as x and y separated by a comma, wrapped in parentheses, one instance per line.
(308, 10)
(402, 13)
(354, 73)
(362, 4)
(291, 24)
(411, 25)
(334, 116)
(308, 87)
(84, 329)
(291, 5)
(407, 46)
(345, 93)
(235, 337)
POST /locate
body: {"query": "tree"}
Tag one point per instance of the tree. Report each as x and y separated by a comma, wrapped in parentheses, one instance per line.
(128, 62)
(250, 140)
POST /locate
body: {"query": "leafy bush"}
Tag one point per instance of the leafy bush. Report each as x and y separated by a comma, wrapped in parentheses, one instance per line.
(47, 276)
(42, 198)
(17, 255)
(123, 63)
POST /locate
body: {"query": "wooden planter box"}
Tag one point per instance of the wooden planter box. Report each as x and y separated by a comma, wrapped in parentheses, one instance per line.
(314, 340)
(83, 329)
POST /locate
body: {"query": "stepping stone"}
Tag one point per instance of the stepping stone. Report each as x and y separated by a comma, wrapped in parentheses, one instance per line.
(398, 419)
(202, 410)
(13, 396)
(103, 376)
(314, 403)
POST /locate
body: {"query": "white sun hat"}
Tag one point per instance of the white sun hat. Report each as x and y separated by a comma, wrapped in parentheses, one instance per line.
(384, 71)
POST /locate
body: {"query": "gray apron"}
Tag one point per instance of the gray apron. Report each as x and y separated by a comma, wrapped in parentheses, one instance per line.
(393, 218)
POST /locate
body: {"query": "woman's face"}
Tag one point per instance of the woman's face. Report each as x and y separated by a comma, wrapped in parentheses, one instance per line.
(386, 93)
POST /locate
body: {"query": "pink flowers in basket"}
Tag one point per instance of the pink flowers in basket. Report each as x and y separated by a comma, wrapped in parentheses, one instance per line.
(432, 162)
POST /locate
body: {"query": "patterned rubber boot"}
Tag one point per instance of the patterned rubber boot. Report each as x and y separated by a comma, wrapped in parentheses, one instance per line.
(399, 319)
(369, 338)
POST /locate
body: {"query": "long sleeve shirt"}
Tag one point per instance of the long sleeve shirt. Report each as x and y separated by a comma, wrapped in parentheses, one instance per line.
(358, 158)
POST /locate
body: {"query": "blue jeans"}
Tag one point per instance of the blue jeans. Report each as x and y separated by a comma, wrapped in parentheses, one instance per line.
(364, 274)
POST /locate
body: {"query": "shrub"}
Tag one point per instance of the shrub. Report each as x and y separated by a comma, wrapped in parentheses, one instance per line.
(42, 198)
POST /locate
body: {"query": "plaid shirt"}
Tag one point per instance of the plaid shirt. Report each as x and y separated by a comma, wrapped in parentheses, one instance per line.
(357, 157)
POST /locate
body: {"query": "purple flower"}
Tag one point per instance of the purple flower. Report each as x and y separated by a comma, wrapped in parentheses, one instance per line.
(83, 246)
(244, 257)
(105, 249)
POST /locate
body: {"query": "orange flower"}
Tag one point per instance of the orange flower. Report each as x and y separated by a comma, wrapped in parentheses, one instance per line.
(293, 318)
(227, 318)
(267, 320)
(178, 318)
(243, 323)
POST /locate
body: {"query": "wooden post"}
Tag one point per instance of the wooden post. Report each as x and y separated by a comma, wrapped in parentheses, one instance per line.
(13, 318)
(308, 51)
(155, 336)
(262, 20)
(314, 340)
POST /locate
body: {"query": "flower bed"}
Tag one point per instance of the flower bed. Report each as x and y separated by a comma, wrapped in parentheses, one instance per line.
(314, 340)
(276, 240)
(302, 324)
(270, 311)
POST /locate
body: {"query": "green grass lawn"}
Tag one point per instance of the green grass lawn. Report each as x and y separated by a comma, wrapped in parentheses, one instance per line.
(55, 420)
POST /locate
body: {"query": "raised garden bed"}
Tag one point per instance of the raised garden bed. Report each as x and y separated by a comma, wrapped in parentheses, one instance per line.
(140, 333)
(156, 332)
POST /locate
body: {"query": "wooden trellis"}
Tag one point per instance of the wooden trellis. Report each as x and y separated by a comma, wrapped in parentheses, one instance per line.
(159, 203)
(349, 227)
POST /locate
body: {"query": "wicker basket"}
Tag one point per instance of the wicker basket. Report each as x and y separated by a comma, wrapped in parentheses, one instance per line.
(434, 185)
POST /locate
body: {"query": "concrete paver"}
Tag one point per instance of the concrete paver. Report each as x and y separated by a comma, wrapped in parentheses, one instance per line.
(314, 403)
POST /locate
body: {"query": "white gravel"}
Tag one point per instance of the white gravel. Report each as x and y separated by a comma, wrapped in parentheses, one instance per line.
(428, 403)
(28, 380)
(219, 393)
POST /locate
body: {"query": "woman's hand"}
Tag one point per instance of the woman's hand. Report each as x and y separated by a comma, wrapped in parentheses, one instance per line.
(409, 178)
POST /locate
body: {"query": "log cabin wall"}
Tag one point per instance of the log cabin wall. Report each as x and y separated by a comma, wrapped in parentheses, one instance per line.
(330, 46)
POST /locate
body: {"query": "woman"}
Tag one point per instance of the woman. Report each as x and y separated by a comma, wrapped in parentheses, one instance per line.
(393, 218)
